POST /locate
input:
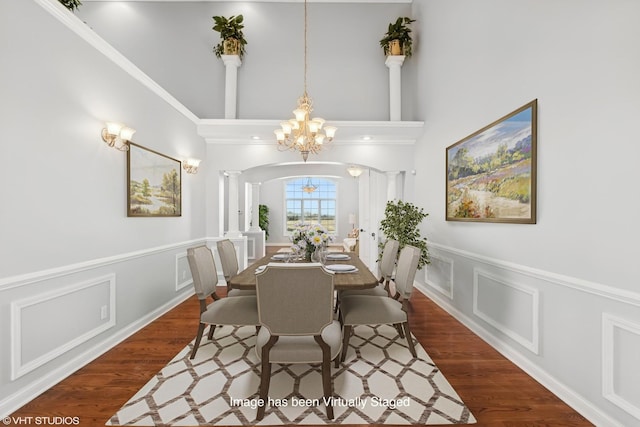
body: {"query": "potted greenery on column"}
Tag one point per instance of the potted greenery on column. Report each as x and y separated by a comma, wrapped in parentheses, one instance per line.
(71, 4)
(401, 221)
(232, 39)
(397, 40)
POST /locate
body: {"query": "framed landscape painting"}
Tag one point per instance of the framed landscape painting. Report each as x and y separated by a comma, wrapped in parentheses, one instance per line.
(491, 174)
(153, 183)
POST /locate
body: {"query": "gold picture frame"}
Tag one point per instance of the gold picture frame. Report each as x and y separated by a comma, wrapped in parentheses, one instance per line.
(154, 183)
(491, 174)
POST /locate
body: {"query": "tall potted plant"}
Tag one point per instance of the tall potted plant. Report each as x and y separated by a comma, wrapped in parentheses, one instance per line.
(263, 219)
(232, 41)
(397, 40)
(401, 221)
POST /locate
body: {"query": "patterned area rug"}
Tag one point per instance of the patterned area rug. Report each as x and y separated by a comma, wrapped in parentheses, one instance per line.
(379, 383)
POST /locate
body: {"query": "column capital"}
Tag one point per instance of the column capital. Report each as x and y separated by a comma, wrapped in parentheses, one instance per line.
(232, 173)
(394, 61)
(233, 60)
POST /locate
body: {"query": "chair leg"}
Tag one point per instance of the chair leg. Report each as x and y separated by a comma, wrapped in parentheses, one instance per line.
(407, 333)
(398, 327)
(198, 339)
(211, 330)
(326, 375)
(346, 334)
(265, 377)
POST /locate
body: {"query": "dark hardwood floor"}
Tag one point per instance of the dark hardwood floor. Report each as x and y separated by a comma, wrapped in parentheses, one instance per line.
(496, 391)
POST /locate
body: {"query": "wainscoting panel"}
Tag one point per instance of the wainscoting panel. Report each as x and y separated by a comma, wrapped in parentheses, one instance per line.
(439, 274)
(578, 338)
(621, 353)
(251, 248)
(183, 272)
(511, 308)
(47, 325)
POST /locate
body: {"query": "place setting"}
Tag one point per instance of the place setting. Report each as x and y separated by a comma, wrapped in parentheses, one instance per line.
(341, 268)
(284, 256)
(333, 256)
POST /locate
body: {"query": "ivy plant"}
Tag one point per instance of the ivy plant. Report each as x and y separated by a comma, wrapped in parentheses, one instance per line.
(401, 222)
(400, 31)
(70, 4)
(229, 28)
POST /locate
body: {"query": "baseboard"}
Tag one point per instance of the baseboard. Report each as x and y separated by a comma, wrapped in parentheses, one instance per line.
(34, 389)
(566, 394)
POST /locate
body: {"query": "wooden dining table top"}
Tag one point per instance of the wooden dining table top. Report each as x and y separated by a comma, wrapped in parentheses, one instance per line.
(362, 279)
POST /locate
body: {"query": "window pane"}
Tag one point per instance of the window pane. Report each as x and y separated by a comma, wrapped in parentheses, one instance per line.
(318, 206)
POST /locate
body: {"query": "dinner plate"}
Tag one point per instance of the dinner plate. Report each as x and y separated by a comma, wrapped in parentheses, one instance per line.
(336, 257)
(280, 256)
(260, 269)
(341, 268)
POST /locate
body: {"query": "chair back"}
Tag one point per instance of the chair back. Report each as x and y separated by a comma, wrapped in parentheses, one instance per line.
(228, 258)
(389, 255)
(295, 299)
(406, 271)
(203, 270)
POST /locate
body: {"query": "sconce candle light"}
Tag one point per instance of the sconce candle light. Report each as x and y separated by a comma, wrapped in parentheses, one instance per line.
(191, 165)
(117, 136)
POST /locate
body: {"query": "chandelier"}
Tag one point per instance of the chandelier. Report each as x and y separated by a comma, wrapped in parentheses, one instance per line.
(303, 133)
(309, 187)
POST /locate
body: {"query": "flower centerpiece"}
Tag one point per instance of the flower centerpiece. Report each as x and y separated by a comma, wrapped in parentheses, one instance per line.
(307, 238)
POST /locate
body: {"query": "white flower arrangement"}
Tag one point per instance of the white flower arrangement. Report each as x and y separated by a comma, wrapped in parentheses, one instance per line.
(307, 238)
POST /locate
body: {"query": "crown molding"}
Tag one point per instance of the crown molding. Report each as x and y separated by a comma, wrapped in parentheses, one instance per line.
(256, 132)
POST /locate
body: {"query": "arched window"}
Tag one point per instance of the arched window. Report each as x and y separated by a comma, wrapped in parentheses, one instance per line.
(318, 206)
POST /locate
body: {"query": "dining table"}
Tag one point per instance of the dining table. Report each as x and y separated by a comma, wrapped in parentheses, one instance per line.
(359, 278)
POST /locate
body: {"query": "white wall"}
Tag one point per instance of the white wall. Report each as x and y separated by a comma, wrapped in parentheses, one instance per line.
(561, 277)
(64, 233)
(347, 78)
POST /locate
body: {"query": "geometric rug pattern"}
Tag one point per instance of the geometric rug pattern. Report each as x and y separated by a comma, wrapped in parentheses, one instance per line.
(379, 383)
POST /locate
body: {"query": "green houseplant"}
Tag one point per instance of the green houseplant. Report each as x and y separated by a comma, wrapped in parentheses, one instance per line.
(232, 41)
(71, 4)
(401, 221)
(397, 40)
(263, 219)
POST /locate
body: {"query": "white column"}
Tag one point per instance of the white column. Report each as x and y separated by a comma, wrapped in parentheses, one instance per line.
(392, 185)
(234, 230)
(394, 63)
(255, 207)
(231, 62)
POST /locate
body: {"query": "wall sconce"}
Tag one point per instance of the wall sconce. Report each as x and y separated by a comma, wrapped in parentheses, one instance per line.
(191, 165)
(354, 171)
(117, 136)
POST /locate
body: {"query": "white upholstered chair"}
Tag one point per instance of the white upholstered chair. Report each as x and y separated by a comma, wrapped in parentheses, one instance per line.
(239, 310)
(386, 267)
(381, 310)
(229, 262)
(295, 308)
